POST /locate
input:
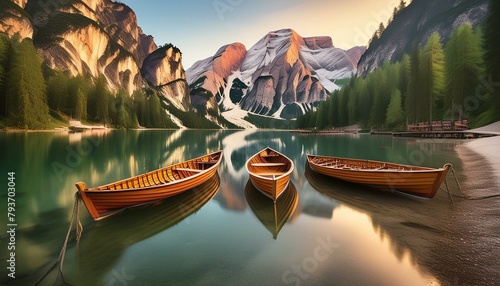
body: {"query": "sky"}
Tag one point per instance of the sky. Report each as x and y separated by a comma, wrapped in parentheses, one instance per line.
(200, 27)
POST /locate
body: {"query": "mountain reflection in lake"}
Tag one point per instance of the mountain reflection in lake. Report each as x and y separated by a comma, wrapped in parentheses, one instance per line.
(330, 232)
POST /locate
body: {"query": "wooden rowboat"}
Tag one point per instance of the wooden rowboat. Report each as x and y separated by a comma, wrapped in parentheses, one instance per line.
(270, 172)
(110, 240)
(172, 180)
(414, 180)
(273, 215)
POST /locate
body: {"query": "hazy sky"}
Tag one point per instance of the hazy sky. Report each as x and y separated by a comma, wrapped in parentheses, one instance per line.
(200, 27)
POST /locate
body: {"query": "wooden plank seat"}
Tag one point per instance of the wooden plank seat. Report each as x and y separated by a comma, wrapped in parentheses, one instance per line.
(189, 170)
(267, 164)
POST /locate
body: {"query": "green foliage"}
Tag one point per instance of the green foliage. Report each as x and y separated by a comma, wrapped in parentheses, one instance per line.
(432, 77)
(149, 111)
(57, 91)
(99, 100)
(26, 98)
(463, 70)
(78, 90)
(491, 50)
(269, 122)
(412, 102)
(4, 48)
(395, 115)
(429, 80)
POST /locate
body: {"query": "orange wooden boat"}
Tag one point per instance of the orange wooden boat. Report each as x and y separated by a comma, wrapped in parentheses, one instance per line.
(414, 180)
(273, 215)
(172, 180)
(270, 172)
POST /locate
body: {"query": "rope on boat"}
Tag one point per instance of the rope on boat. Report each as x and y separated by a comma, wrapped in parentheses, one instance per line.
(456, 181)
(79, 230)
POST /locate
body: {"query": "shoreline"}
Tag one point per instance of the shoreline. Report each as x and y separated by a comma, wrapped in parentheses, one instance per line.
(475, 225)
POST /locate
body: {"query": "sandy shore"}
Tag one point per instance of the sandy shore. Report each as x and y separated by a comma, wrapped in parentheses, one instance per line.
(475, 225)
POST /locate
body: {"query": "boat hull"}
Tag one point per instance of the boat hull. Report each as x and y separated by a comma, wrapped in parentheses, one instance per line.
(414, 180)
(149, 187)
(270, 172)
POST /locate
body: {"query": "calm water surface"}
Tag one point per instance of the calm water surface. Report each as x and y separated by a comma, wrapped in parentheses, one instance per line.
(221, 233)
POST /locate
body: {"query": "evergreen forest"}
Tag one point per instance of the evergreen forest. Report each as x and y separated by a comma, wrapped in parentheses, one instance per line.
(33, 96)
(456, 80)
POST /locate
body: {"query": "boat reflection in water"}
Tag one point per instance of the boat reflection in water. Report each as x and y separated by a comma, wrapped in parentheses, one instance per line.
(103, 245)
(401, 221)
(273, 215)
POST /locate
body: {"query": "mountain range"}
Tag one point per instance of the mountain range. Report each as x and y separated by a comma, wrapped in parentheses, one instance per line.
(283, 75)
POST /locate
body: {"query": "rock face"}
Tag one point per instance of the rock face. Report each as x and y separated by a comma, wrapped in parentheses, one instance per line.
(208, 78)
(14, 20)
(414, 24)
(163, 70)
(92, 37)
(282, 75)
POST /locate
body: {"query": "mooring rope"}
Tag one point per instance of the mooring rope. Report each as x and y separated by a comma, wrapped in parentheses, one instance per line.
(79, 231)
(460, 189)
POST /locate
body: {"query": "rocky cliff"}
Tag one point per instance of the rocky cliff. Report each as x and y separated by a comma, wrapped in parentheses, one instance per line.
(91, 37)
(413, 25)
(14, 20)
(163, 70)
(208, 78)
(282, 75)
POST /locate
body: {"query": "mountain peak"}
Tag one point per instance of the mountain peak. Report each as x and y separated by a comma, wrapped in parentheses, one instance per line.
(282, 75)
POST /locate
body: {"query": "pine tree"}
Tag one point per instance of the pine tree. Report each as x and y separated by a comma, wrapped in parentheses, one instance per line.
(80, 105)
(26, 97)
(78, 94)
(4, 48)
(402, 5)
(381, 29)
(99, 101)
(463, 69)
(432, 75)
(412, 102)
(395, 115)
(57, 91)
(491, 50)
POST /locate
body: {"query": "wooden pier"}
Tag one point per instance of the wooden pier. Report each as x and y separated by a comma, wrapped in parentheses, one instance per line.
(445, 134)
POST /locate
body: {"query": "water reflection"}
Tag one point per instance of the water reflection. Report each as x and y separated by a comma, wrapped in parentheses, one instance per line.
(388, 214)
(104, 243)
(273, 215)
(228, 238)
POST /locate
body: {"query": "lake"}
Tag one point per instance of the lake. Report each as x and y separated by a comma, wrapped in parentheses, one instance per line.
(221, 233)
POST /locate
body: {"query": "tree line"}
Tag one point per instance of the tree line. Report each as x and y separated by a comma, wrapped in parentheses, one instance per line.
(451, 82)
(32, 95)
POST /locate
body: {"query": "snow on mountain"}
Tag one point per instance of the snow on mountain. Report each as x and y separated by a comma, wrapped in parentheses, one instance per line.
(282, 75)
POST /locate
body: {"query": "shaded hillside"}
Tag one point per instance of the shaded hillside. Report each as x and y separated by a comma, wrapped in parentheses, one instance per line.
(413, 25)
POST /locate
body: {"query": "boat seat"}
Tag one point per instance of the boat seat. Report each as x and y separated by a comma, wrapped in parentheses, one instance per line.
(270, 174)
(189, 170)
(267, 164)
(207, 162)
